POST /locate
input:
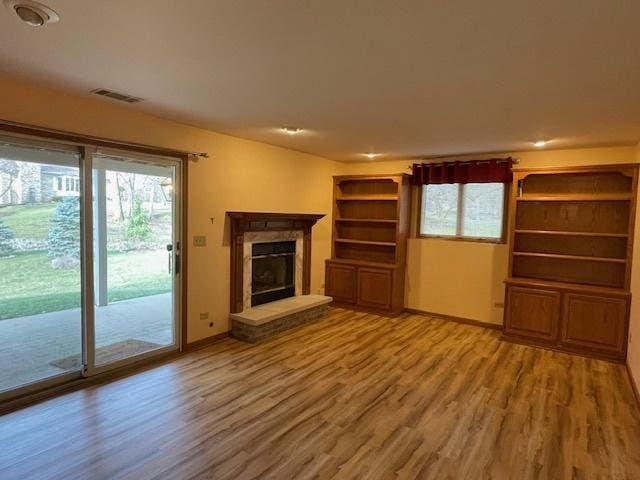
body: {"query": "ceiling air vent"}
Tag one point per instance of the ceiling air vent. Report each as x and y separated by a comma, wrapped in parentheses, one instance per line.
(116, 96)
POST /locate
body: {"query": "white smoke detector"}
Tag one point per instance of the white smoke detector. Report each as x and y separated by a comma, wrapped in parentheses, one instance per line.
(32, 13)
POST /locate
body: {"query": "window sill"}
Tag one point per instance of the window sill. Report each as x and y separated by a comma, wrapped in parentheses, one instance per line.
(494, 241)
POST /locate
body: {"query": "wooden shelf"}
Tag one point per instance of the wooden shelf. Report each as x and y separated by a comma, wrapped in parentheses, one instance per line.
(370, 226)
(580, 287)
(364, 263)
(576, 234)
(366, 242)
(366, 220)
(575, 198)
(367, 198)
(570, 257)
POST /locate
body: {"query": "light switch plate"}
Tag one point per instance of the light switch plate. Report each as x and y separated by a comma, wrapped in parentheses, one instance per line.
(199, 241)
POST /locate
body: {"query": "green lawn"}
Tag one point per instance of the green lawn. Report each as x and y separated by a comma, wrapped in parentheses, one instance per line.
(29, 285)
(33, 221)
(28, 221)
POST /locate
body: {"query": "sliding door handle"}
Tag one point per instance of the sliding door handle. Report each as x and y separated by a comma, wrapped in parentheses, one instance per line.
(170, 249)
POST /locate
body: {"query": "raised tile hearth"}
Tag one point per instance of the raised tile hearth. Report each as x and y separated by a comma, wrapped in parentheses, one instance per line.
(257, 323)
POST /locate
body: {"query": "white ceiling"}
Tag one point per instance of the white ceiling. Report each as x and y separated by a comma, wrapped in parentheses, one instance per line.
(404, 78)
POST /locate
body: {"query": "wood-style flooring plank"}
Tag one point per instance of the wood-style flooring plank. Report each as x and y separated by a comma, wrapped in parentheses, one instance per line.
(352, 396)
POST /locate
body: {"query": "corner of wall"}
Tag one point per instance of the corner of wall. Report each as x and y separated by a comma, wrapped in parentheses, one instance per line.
(633, 349)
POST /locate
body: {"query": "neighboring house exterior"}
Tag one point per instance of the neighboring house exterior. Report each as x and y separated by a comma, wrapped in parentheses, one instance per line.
(26, 182)
(64, 182)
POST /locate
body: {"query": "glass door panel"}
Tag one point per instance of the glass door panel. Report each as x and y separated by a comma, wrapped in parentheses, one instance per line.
(40, 265)
(133, 258)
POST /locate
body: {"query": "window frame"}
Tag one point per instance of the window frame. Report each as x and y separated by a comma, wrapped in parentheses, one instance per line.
(458, 237)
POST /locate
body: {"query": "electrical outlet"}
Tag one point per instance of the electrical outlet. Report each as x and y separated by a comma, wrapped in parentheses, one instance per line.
(199, 241)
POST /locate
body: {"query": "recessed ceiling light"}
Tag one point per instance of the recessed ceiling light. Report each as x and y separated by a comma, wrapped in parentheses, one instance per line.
(32, 13)
(291, 130)
(540, 143)
(371, 155)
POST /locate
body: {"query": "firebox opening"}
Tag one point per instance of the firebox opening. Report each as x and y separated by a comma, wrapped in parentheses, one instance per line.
(273, 271)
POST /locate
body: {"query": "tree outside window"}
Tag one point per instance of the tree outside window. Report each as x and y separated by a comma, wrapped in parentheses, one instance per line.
(471, 210)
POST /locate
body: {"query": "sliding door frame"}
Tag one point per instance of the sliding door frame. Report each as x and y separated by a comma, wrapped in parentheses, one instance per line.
(65, 377)
(87, 147)
(86, 225)
(91, 368)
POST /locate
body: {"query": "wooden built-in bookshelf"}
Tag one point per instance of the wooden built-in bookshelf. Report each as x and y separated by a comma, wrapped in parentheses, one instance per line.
(571, 240)
(370, 226)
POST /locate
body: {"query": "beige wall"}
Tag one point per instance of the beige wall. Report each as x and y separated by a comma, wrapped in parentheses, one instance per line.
(633, 354)
(464, 279)
(240, 175)
(455, 278)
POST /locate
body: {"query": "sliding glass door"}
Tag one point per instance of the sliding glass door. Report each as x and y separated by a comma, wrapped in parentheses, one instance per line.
(134, 257)
(89, 261)
(40, 264)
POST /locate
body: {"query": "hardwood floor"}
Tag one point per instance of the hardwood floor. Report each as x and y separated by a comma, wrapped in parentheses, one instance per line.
(353, 396)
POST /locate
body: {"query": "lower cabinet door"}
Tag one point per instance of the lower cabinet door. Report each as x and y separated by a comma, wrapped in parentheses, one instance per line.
(374, 287)
(596, 323)
(532, 313)
(340, 282)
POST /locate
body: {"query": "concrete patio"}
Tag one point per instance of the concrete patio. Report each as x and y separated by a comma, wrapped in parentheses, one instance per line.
(28, 345)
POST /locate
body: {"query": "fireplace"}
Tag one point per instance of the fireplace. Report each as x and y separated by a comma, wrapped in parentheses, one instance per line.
(272, 271)
(270, 257)
(271, 274)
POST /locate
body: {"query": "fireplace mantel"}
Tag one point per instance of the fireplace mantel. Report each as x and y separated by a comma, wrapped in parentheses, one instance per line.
(243, 222)
(261, 221)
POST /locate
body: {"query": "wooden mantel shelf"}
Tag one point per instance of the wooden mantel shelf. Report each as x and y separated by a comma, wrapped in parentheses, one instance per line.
(269, 221)
(271, 216)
